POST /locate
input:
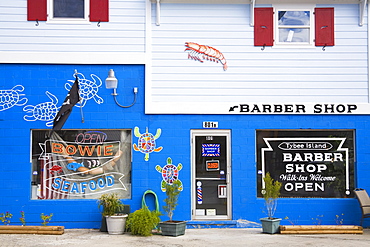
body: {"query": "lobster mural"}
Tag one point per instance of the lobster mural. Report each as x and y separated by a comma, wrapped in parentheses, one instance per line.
(204, 52)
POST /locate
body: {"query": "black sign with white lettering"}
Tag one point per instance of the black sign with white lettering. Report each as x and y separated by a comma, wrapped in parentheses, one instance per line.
(309, 163)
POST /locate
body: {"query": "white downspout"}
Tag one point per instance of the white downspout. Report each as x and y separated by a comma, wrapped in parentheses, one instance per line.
(158, 13)
(252, 5)
(148, 56)
(362, 5)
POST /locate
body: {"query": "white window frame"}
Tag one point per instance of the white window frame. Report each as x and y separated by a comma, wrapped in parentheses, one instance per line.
(51, 19)
(296, 7)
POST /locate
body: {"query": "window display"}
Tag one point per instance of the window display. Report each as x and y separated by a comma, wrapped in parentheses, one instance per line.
(80, 164)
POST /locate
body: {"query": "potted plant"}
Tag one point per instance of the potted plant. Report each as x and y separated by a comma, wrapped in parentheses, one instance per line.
(112, 206)
(143, 221)
(270, 193)
(171, 227)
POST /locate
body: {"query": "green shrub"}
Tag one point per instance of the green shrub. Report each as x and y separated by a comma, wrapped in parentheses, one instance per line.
(142, 221)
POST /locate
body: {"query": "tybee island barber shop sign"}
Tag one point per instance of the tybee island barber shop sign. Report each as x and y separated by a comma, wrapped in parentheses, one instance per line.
(308, 165)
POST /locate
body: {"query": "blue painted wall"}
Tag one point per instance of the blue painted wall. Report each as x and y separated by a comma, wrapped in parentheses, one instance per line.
(175, 139)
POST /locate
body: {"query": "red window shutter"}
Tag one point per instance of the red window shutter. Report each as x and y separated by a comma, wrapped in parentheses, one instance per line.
(263, 27)
(324, 26)
(99, 10)
(36, 10)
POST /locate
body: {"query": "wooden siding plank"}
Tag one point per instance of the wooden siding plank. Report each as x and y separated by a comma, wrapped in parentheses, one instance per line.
(258, 77)
(247, 84)
(258, 91)
(251, 99)
(76, 48)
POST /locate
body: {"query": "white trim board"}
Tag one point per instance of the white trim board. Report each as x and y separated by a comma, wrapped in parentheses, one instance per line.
(73, 57)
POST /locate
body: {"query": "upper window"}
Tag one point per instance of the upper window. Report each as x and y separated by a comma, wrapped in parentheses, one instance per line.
(285, 26)
(68, 10)
(293, 27)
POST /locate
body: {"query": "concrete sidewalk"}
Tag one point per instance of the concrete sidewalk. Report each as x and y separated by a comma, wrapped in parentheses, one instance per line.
(211, 237)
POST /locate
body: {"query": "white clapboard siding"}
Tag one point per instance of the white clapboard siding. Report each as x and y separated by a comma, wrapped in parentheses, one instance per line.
(123, 34)
(301, 75)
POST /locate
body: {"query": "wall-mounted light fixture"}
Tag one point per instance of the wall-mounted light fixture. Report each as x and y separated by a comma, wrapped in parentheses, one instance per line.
(111, 83)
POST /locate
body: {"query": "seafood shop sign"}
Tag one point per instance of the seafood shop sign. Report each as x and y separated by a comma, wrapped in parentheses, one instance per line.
(308, 166)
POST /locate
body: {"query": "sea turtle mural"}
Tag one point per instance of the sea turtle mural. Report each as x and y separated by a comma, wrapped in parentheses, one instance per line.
(170, 173)
(88, 89)
(44, 111)
(12, 97)
(146, 143)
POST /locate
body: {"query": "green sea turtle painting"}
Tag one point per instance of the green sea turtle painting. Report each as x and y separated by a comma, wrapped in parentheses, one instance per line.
(146, 143)
(170, 173)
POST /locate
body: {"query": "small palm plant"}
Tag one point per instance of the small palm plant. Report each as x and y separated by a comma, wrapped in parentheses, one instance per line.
(111, 204)
(270, 193)
(172, 193)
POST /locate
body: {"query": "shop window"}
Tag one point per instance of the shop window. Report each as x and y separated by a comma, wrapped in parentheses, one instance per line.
(294, 27)
(68, 10)
(80, 164)
(309, 163)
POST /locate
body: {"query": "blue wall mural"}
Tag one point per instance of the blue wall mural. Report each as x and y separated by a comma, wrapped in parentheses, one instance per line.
(34, 92)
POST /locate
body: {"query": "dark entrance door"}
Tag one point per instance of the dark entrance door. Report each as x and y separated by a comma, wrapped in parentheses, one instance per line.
(211, 174)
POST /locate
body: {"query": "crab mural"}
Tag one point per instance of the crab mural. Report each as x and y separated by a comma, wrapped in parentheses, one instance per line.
(88, 89)
(146, 143)
(11, 97)
(170, 173)
(44, 111)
